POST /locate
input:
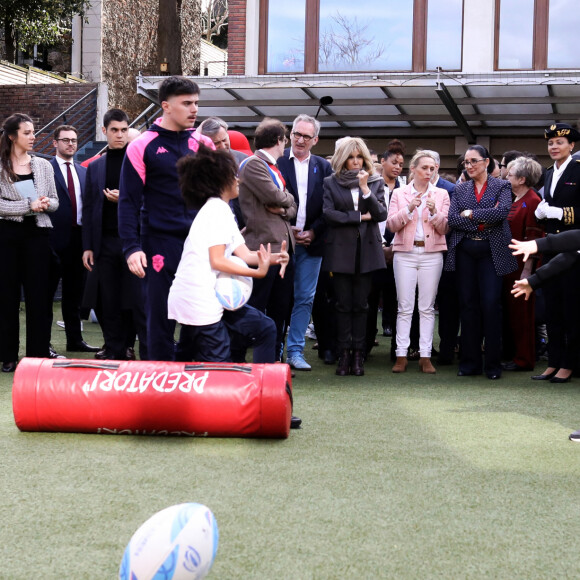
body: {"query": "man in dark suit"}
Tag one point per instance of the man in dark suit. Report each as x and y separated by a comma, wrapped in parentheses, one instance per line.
(66, 235)
(120, 294)
(304, 174)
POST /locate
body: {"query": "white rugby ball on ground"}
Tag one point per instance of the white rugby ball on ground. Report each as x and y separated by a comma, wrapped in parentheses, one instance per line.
(177, 543)
(231, 290)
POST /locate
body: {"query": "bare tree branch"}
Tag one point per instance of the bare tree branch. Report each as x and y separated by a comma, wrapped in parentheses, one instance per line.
(348, 43)
(214, 17)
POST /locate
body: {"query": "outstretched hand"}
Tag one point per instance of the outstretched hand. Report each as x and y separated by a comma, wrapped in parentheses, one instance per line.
(522, 288)
(264, 257)
(524, 248)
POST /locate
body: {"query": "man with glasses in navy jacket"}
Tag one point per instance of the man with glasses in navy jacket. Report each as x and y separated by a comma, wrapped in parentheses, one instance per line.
(304, 174)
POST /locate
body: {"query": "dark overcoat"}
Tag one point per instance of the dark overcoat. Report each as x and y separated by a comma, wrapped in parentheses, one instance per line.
(345, 228)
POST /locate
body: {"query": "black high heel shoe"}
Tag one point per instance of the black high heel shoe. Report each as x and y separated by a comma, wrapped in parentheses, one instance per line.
(545, 377)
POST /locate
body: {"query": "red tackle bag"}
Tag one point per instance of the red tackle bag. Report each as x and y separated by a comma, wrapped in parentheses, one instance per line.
(153, 398)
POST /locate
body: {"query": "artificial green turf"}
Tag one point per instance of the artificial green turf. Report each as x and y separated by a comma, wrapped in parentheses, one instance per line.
(392, 476)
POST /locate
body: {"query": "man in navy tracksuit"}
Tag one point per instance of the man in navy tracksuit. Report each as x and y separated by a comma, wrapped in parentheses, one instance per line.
(153, 218)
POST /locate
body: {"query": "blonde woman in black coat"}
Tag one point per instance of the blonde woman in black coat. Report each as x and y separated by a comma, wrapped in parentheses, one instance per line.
(354, 204)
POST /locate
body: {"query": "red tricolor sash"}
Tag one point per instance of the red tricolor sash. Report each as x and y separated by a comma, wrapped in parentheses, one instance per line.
(280, 182)
(272, 170)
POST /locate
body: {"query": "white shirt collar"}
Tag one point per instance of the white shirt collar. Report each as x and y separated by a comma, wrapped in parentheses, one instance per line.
(268, 156)
(563, 166)
(415, 192)
(292, 156)
(62, 161)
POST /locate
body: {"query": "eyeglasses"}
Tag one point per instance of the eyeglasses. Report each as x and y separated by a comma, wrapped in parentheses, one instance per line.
(501, 165)
(68, 141)
(471, 162)
(306, 138)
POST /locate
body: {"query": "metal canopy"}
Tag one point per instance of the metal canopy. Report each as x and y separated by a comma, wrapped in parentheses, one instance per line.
(515, 104)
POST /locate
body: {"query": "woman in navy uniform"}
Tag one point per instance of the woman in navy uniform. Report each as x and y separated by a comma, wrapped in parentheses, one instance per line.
(559, 212)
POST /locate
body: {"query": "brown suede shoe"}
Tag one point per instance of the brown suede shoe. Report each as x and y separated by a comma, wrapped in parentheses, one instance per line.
(401, 365)
(425, 366)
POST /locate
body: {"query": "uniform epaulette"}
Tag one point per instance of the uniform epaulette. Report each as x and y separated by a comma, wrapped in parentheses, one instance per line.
(577, 160)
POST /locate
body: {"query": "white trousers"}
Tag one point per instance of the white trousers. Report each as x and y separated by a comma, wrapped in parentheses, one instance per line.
(412, 269)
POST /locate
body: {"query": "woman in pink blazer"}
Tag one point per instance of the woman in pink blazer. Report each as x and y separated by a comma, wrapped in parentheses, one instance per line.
(418, 218)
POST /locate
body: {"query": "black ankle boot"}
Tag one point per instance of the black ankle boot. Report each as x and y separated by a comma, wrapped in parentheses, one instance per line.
(343, 367)
(357, 368)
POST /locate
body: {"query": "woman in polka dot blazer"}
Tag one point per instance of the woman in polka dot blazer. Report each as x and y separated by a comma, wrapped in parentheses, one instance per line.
(479, 253)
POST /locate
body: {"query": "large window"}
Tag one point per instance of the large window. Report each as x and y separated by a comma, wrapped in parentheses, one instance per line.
(286, 24)
(516, 34)
(351, 39)
(563, 28)
(314, 36)
(444, 34)
(537, 34)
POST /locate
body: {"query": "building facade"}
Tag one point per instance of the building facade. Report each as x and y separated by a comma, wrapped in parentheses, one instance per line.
(435, 74)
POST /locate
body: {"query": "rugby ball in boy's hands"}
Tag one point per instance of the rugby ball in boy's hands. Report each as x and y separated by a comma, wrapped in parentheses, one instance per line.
(231, 290)
(177, 543)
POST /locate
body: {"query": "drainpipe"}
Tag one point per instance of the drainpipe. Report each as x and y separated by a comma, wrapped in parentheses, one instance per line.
(76, 65)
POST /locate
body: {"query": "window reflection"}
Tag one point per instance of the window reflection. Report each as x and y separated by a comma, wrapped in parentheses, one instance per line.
(365, 35)
(516, 34)
(286, 25)
(444, 34)
(563, 29)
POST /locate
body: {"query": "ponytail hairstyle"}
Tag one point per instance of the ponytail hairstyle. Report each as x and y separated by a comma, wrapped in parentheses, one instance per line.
(8, 135)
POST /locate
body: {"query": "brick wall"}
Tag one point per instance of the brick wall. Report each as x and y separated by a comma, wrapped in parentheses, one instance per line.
(237, 37)
(41, 102)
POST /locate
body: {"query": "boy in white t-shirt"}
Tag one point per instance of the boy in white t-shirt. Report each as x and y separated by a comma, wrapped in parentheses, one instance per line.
(208, 182)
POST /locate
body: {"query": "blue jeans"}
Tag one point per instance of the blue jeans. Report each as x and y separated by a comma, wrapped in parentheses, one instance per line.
(306, 272)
